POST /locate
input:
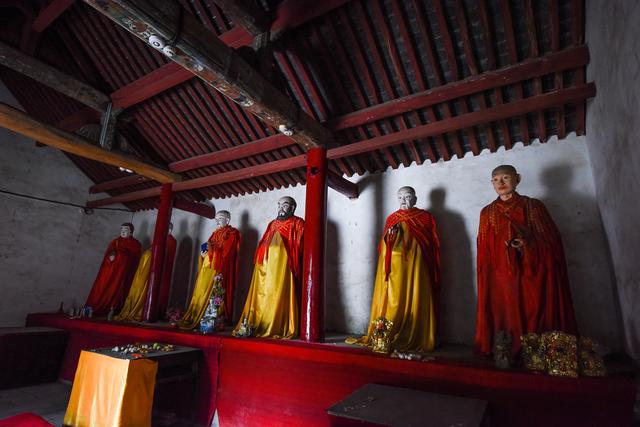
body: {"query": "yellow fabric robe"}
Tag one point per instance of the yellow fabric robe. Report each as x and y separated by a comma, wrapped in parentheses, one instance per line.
(406, 298)
(201, 293)
(133, 305)
(271, 306)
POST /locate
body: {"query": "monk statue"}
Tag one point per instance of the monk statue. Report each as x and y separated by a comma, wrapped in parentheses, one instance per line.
(116, 272)
(406, 289)
(221, 257)
(271, 308)
(134, 304)
(522, 273)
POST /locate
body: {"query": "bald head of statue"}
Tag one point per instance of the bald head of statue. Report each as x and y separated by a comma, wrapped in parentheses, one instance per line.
(286, 207)
(505, 179)
(223, 218)
(407, 197)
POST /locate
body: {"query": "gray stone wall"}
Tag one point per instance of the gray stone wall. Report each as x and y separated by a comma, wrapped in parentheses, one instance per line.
(613, 130)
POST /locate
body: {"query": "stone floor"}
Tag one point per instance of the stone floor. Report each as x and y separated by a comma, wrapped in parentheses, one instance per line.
(47, 400)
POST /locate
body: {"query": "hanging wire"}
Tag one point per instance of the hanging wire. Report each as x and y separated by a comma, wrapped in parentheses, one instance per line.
(85, 209)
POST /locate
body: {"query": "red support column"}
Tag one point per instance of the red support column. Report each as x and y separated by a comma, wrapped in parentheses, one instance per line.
(315, 217)
(158, 251)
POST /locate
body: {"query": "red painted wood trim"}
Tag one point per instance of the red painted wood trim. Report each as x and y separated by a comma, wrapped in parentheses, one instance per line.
(157, 81)
(291, 13)
(553, 62)
(196, 208)
(50, 14)
(342, 185)
(125, 181)
(315, 227)
(158, 251)
(234, 153)
(523, 106)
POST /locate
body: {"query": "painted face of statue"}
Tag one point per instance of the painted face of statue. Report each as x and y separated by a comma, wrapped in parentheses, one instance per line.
(407, 198)
(223, 218)
(125, 231)
(505, 179)
(286, 207)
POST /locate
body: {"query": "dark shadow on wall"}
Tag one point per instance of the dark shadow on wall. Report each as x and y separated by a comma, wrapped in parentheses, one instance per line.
(182, 267)
(335, 315)
(458, 295)
(245, 263)
(143, 234)
(573, 214)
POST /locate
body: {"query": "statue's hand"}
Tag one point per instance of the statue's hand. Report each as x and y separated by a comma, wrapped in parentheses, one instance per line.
(112, 256)
(203, 254)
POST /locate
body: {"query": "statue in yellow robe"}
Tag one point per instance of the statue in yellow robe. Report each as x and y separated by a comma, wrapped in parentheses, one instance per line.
(221, 258)
(407, 278)
(271, 308)
(134, 304)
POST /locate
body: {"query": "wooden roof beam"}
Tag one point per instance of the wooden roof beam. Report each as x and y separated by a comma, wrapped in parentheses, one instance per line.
(523, 106)
(554, 62)
(194, 47)
(125, 181)
(51, 77)
(246, 14)
(18, 121)
(50, 14)
(196, 208)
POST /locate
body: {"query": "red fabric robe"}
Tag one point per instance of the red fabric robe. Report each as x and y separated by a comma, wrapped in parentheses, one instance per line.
(224, 246)
(525, 290)
(291, 231)
(167, 272)
(114, 277)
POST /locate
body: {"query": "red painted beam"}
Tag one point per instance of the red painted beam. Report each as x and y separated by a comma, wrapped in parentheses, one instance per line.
(157, 81)
(528, 69)
(125, 181)
(50, 14)
(158, 252)
(315, 227)
(253, 148)
(502, 111)
(196, 208)
(289, 14)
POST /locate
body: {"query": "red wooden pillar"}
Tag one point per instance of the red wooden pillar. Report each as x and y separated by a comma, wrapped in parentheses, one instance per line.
(158, 251)
(315, 217)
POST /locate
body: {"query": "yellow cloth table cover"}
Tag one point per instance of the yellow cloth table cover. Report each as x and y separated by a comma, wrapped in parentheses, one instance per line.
(109, 391)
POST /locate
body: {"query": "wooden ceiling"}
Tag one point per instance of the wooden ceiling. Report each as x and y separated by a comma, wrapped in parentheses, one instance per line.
(379, 83)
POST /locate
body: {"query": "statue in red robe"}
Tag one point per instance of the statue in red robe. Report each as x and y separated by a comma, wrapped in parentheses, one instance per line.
(271, 308)
(167, 273)
(116, 273)
(523, 284)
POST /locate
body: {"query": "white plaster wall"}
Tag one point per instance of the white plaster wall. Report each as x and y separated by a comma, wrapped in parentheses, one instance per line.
(556, 172)
(613, 126)
(48, 253)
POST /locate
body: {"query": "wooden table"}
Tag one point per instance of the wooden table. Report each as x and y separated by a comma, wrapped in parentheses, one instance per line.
(112, 389)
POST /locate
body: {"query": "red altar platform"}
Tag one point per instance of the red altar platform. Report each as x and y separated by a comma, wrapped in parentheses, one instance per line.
(269, 382)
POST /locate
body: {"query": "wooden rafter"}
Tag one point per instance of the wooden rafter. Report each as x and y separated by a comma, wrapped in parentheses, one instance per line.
(507, 21)
(245, 14)
(53, 78)
(50, 13)
(214, 62)
(523, 106)
(511, 74)
(18, 121)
